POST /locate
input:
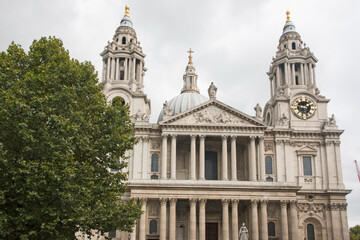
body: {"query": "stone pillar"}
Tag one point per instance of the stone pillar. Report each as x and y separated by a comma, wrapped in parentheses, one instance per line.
(284, 220)
(293, 220)
(140, 72)
(344, 221)
(263, 220)
(202, 158)
(142, 223)
(225, 219)
(163, 218)
(224, 166)
(278, 76)
(286, 73)
(133, 69)
(279, 161)
(108, 68)
(192, 226)
(126, 69)
(252, 163)
(338, 164)
(193, 158)
(271, 87)
(164, 157)
(173, 157)
(331, 164)
(311, 73)
(145, 152)
(202, 218)
(314, 75)
(262, 159)
(302, 74)
(172, 222)
(233, 159)
(293, 73)
(112, 72)
(117, 69)
(234, 219)
(254, 220)
(306, 74)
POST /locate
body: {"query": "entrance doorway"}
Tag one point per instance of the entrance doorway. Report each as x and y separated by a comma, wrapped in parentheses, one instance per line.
(211, 231)
(211, 165)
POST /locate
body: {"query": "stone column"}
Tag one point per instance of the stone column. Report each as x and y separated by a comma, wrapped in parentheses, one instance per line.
(108, 68)
(172, 223)
(314, 75)
(140, 72)
(225, 219)
(286, 73)
(331, 164)
(142, 223)
(202, 158)
(293, 220)
(112, 72)
(262, 159)
(126, 69)
(306, 74)
(252, 163)
(224, 166)
(254, 220)
(117, 69)
(192, 218)
(164, 157)
(234, 219)
(311, 73)
(133, 69)
(271, 87)
(202, 218)
(344, 220)
(284, 220)
(173, 157)
(233, 159)
(302, 74)
(193, 158)
(279, 160)
(163, 218)
(145, 144)
(278, 76)
(338, 164)
(263, 220)
(293, 73)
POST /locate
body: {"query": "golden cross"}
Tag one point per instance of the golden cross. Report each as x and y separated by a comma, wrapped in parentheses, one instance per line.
(190, 57)
(287, 15)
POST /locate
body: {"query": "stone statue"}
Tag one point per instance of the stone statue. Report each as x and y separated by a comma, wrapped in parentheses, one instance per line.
(212, 91)
(243, 233)
(167, 111)
(258, 110)
(332, 120)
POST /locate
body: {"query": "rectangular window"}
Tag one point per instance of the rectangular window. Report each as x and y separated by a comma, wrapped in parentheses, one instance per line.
(307, 166)
(122, 74)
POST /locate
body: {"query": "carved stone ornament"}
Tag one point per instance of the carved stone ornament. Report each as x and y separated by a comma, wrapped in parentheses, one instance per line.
(269, 146)
(167, 111)
(258, 111)
(155, 144)
(311, 207)
(338, 206)
(141, 117)
(153, 209)
(214, 115)
(283, 120)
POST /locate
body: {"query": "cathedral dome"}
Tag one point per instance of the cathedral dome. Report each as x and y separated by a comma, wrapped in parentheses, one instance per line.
(183, 102)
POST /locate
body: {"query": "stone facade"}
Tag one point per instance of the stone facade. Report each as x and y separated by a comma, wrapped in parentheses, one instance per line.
(205, 168)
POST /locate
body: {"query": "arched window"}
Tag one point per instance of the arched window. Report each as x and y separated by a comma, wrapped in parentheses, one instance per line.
(155, 162)
(268, 165)
(310, 232)
(123, 40)
(271, 229)
(153, 226)
(118, 100)
(293, 45)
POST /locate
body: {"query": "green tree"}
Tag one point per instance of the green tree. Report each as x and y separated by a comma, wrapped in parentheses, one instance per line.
(58, 140)
(355, 233)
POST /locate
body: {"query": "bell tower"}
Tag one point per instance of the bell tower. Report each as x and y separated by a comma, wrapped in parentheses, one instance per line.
(295, 100)
(124, 70)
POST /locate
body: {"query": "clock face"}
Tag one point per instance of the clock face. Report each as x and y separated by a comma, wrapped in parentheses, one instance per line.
(303, 107)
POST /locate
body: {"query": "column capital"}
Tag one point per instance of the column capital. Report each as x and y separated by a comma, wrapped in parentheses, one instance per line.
(233, 137)
(192, 200)
(254, 202)
(261, 138)
(202, 137)
(164, 135)
(224, 137)
(283, 203)
(293, 203)
(264, 202)
(173, 201)
(202, 201)
(234, 202)
(193, 136)
(173, 136)
(225, 202)
(163, 201)
(144, 200)
(145, 138)
(252, 138)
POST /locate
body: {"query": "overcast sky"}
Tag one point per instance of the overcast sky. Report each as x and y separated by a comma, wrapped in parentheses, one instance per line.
(234, 42)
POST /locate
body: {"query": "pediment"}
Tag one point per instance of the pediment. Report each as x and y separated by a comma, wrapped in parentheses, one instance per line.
(307, 150)
(213, 112)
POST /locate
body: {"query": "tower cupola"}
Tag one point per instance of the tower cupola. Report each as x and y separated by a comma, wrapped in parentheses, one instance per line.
(190, 77)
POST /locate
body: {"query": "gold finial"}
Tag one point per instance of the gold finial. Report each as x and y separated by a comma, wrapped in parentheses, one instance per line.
(287, 15)
(127, 8)
(190, 57)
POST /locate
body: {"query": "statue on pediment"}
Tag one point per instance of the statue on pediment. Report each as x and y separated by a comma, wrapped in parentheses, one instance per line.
(212, 91)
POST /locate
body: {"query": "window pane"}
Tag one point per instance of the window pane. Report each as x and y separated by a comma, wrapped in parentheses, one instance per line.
(268, 165)
(310, 232)
(307, 166)
(155, 162)
(153, 226)
(271, 229)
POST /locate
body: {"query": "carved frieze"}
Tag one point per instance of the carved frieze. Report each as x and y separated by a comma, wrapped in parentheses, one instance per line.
(311, 208)
(337, 206)
(155, 144)
(153, 209)
(269, 146)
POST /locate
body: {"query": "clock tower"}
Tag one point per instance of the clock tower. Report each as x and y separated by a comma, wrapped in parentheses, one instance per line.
(295, 99)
